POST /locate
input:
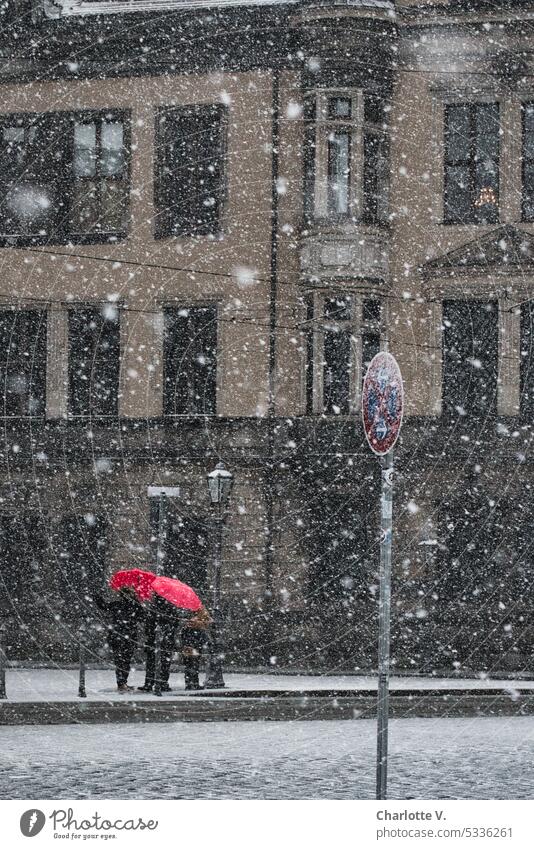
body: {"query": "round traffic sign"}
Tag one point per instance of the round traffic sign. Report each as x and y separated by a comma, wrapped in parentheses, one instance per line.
(382, 403)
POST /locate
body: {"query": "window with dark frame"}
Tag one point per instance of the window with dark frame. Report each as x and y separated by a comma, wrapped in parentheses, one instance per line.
(190, 361)
(471, 163)
(309, 154)
(63, 176)
(370, 348)
(94, 361)
(526, 369)
(375, 164)
(100, 186)
(373, 109)
(337, 371)
(309, 354)
(23, 362)
(371, 331)
(527, 110)
(190, 170)
(341, 345)
(470, 360)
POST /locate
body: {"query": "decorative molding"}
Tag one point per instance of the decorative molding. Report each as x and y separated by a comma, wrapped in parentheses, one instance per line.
(349, 252)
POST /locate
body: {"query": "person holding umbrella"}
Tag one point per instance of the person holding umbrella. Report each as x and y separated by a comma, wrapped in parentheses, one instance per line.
(193, 638)
(125, 613)
(166, 617)
(169, 599)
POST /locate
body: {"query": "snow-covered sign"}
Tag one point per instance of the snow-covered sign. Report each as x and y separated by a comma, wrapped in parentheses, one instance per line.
(168, 491)
(382, 403)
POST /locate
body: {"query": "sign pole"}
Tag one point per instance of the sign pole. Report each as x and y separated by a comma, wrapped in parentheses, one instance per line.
(384, 619)
(382, 410)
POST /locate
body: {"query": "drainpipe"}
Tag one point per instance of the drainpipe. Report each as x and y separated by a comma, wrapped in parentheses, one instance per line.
(269, 476)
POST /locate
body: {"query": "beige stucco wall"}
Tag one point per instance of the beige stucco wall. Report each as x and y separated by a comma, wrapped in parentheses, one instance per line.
(418, 232)
(143, 289)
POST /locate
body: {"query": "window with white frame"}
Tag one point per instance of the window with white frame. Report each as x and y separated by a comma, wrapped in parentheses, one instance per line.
(344, 336)
(346, 156)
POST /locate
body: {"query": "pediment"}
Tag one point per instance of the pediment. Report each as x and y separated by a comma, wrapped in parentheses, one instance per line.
(505, 249)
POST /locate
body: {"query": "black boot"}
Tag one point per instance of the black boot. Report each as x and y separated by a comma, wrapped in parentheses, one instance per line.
(147, 687)
(191, 670)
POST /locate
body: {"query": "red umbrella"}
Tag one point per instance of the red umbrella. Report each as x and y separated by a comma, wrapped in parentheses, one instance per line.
(139, 580)
(146, 583)
(177, 593)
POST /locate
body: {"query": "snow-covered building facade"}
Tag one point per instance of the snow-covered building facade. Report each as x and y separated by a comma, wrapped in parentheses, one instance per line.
(212, 215)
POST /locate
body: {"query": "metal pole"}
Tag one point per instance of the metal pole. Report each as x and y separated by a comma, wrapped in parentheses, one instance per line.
(214, 673)
(160, 557)
(384, 622)
(162, 533)
(81, 679)
(3, 662)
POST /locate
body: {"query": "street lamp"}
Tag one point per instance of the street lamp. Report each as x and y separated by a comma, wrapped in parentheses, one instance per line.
(220, 482)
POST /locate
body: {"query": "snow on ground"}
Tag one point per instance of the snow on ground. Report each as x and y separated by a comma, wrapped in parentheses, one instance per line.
(429, 758)
(62, 684)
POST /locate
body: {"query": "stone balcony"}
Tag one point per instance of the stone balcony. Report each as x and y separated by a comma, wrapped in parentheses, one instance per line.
(344, 252)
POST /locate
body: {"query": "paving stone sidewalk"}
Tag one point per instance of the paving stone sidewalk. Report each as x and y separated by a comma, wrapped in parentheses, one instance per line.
(50, 697)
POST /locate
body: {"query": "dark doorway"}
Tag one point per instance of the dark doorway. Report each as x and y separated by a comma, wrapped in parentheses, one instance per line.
(187, 548)
(79, 545)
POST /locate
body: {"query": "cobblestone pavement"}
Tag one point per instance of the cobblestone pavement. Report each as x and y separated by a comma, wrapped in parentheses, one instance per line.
(442, 758)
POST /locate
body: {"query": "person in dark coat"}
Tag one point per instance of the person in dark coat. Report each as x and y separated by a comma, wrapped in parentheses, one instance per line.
(125, 613)
(193, 639)
(167, 617)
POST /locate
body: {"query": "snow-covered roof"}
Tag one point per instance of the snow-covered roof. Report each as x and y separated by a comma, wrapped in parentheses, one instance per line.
(82, 8)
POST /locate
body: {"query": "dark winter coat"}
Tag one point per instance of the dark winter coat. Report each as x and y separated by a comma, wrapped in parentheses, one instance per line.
(166, 612)
(124, 613)
(194, 638)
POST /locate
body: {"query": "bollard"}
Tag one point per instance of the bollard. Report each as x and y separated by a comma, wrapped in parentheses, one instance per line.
(3, 662)
(81, 680)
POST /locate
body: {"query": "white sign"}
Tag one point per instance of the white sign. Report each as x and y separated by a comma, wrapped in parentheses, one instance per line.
(169, 491)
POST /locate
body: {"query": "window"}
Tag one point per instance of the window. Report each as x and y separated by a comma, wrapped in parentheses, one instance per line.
(190, 367)
(338, 173)
(375, 164)
(527, 361)
(373, 107)
(100, 187)
(470, 339)
(472, 163)
(349, 338)
(528, 161)
(22, 362)
(339, 107)
(337, 371)
(190, 170)
(309, 354)
(346, 158)
(63, 177)
(94, 361)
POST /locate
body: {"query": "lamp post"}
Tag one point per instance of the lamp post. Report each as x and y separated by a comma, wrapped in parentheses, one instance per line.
(163, 493)
(220, 482)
